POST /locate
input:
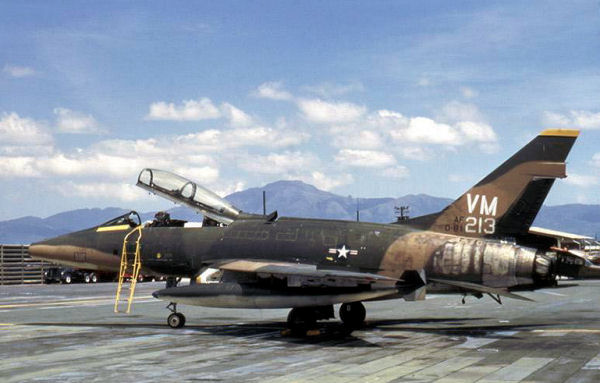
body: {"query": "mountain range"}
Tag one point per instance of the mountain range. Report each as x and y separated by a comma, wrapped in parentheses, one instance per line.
(298, 199)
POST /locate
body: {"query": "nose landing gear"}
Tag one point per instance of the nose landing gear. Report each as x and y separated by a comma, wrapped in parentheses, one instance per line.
(175, 319)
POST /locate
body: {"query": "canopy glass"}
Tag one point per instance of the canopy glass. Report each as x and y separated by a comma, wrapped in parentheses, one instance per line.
(189, 193)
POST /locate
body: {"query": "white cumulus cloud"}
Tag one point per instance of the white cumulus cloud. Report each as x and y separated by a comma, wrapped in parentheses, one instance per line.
(476, 131)
(596, 159)
(426, 130)
(458, 124)
(262, 136)
(70, 121)
(387, 120)
(236, 116)
(112, 160)
(279, 163)
(365, 158)
(328, 89)
(468, 92)
(324, 112)
(416, 153)
(272, 90)
(20, 136)
(22, 130)
(189, 110)
(397, 172)
(456, 111)
(344, 137)
(327, 182)
(18, 167)
(582, 180)
(125, 192)
(17, 71)
(574, 119)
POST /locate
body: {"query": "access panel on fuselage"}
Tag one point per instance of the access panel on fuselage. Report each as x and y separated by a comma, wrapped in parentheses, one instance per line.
(162, 250)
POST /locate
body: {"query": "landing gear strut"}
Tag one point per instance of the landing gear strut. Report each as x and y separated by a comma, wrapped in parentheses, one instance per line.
(353, 314)
(172, 282)
(175, 320)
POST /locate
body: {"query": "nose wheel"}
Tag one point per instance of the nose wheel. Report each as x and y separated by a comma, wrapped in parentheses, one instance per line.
(175, 319)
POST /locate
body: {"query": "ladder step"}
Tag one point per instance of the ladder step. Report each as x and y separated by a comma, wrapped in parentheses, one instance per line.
(130, 265)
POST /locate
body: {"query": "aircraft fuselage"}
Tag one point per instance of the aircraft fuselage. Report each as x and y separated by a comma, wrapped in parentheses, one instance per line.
(385, 249)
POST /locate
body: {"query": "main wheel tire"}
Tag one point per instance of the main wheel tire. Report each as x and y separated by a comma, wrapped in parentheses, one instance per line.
(301, 319)
(68, 279)
(86, 278)
(353, 314)
(94, 277)
(176, 320)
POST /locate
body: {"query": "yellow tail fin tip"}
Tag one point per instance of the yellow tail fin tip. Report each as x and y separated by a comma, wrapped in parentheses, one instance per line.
(560, 132)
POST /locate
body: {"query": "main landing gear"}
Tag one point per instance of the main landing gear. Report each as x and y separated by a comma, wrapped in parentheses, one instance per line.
(175, 320)
(302, 319)
(353, 314)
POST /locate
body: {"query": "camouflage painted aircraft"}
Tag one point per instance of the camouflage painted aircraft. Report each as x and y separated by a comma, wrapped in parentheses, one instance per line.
(473, 247)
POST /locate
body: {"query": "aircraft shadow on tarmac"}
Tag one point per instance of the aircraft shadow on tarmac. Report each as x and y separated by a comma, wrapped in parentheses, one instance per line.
(461, 328)
(332, 331)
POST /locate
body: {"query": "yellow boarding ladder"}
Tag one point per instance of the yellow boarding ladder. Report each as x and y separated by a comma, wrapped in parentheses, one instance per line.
(130, 263)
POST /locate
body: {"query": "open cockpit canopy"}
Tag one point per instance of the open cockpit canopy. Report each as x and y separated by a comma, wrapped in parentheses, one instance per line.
(131, 219)
(183, 191)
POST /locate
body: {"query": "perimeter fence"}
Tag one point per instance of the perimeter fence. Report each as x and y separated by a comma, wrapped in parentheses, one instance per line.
(17, 267)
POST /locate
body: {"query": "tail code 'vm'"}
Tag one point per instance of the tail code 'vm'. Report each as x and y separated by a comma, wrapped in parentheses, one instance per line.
(505, 203)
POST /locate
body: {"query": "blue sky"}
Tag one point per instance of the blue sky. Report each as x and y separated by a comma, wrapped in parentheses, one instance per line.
(365, 98)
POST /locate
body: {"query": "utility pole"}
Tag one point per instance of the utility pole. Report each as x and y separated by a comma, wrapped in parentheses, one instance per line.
(264, 202)
(401, 213)
(357, 209)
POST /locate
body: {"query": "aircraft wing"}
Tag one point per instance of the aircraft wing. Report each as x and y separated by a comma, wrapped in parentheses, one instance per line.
(474, 287)
(266, 284)
(288, 269)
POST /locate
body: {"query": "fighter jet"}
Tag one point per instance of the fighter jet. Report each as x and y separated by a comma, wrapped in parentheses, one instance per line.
(472, 247)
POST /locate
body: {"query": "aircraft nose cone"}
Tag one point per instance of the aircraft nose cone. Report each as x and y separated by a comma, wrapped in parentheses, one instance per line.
(58, 249)
(45, 251)
(85, 249)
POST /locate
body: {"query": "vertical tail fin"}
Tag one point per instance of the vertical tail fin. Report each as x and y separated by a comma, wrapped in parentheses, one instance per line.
(506, 202)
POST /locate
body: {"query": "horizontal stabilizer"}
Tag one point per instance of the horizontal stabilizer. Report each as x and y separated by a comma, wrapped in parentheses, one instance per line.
(468, 286)
(575, 264)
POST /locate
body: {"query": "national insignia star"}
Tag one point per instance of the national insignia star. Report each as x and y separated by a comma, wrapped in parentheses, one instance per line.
(343, 252)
